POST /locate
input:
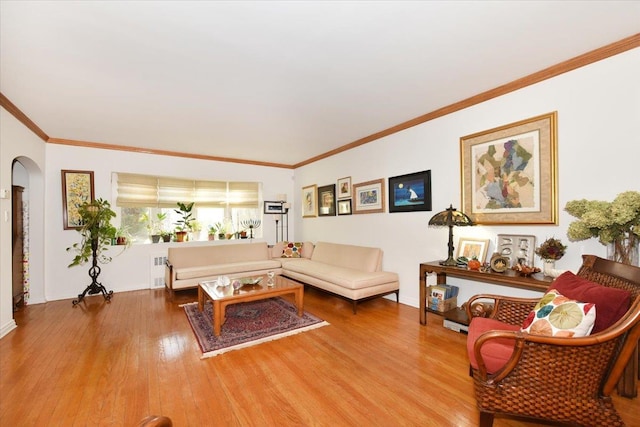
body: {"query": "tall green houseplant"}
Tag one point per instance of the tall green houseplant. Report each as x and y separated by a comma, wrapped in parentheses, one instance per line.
(96, 234)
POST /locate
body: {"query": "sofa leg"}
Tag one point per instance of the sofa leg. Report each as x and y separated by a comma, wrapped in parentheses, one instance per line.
(355, 305)
(397, 296)
(171, 292)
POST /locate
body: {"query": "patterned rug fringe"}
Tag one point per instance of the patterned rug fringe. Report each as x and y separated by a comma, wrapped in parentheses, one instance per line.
(262, 340)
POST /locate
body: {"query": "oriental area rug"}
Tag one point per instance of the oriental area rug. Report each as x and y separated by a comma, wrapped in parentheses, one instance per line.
(248, 324)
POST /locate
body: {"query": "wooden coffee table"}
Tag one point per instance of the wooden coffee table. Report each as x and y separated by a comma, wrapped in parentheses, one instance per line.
(221, 297)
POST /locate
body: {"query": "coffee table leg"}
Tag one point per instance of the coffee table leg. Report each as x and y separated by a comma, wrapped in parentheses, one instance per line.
(300, 301)
(218, 316)
(200, 299)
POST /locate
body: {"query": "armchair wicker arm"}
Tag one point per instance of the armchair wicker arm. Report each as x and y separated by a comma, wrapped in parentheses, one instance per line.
(511, 310)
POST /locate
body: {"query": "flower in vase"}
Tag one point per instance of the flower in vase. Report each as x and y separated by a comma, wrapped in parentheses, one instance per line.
(551, 249)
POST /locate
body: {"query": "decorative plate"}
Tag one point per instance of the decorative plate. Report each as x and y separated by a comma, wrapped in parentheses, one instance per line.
(499, 263)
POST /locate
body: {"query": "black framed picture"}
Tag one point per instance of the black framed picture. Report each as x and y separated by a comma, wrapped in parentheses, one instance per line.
(274, 207)
(411, 192)
(344, 207)
(327, 200)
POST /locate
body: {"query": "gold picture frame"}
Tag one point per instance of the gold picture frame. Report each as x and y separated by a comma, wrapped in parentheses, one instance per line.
(509, 173)
(368, 197)
(471, 248)
(310, 201)
(77, 189)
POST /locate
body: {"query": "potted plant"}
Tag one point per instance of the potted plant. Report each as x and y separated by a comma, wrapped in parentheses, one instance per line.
(184, 224)
(96, 234)
(154, 225)
(213, 230)
(122, 236)
(166, 235)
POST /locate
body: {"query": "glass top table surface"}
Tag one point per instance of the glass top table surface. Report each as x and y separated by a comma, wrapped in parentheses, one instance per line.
(250, 285)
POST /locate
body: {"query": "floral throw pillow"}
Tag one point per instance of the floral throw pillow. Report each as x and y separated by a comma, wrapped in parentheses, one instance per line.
(292, 250)
(558, 316)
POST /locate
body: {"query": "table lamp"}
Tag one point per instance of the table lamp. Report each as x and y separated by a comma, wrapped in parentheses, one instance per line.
(450, 218)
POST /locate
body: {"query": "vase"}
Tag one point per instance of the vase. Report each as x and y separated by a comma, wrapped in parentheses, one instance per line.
(624, 249)
(549, 267)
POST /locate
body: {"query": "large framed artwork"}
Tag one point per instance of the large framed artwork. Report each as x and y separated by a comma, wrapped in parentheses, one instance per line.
(327, 200)
(509, 174)
(411, 192)
(309, 201)
(368, 197)
(77, 189)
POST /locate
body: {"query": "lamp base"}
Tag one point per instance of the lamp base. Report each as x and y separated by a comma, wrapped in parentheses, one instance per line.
(449, 262)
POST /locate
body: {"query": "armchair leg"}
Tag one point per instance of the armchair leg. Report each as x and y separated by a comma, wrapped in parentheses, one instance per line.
(486, 419)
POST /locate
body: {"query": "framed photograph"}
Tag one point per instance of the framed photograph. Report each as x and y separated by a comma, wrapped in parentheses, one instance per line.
(368, 197)
(471, 248)
(309, 201)
(509, 174)
(518, 248)
(410, 192)
(77, 188)
(344, 188)
(274, 207)
(327, 200)
(344, 207)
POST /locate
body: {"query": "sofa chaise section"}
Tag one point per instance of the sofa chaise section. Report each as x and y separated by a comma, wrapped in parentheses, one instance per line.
(352, 272)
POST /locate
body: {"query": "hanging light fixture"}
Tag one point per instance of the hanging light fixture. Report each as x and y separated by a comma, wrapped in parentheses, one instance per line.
(450, 218)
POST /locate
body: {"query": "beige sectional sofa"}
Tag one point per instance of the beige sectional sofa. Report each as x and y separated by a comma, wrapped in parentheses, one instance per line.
(188, 265)
(352, 272)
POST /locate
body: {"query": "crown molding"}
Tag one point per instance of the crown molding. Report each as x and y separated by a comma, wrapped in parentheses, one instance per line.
(15, 112)
(103, 146)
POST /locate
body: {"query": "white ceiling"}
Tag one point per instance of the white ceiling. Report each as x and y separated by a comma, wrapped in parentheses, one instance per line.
(275, 81)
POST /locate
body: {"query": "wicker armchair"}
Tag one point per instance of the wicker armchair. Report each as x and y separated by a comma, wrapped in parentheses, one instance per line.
(565, 380)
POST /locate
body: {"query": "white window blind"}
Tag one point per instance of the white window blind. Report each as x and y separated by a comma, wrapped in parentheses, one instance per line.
(139, 191)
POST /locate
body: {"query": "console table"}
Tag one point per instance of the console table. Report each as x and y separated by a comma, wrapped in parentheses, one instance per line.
(536, 282)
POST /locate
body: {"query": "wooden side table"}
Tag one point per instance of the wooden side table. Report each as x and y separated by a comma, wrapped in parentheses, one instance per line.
(536, 282)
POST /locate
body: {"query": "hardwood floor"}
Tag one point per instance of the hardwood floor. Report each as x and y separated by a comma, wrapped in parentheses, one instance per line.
(112, 364)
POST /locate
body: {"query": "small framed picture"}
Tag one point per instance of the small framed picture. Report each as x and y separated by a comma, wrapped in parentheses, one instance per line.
(368, 197)
(327, 200)
(309, 199)
(344, 207)
(273, 207)
(344, 188)
(473, 248)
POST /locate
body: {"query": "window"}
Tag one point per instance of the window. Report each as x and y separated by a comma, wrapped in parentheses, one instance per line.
(146, 196)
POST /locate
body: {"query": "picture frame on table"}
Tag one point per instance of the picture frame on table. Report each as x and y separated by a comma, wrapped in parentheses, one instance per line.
(509, 173)
(344, 188)
(274, 207)
(327, 200)
(473, 248)
(344, 207)
(77, 189)
(309, 201)
(368, 197)
(410, 192)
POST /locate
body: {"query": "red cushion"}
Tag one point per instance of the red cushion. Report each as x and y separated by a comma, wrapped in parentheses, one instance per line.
(611, 303)
(496, 352)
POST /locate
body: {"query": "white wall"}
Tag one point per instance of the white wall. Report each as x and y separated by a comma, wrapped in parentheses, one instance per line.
(599, 154)
(131, 269)
(17, 142)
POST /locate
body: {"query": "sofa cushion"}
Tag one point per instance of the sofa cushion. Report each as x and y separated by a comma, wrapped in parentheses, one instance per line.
(360, 258)
(495, 352)
(558, 316)
(292, 250)
(612, 303)
(226, 269)
(349, 278)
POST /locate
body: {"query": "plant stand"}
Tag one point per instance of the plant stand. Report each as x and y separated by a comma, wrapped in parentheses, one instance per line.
(95, 287)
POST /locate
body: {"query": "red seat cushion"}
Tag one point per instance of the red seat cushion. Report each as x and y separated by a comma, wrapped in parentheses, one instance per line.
(611, 303)
(495, 353)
